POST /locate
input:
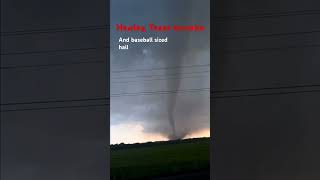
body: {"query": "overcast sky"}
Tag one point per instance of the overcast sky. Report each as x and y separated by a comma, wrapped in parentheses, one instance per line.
(146, 117)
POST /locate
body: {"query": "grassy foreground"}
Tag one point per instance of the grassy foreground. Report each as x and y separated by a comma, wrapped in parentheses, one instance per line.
(159, 159)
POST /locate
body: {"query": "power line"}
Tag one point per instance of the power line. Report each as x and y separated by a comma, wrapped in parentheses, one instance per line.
(53, 30)
(267, 88)
(56, 107)
(264, 94)
(266, 15)
(160, 92)
(121, 82)
(161, 75)
(54, 101)
(161, 68)
(267, 49)
(117, 95)
(40, 66)
(100, 98)
(51, 51)
(266, 35)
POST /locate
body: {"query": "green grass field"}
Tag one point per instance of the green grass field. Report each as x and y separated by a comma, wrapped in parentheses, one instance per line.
(148, 160)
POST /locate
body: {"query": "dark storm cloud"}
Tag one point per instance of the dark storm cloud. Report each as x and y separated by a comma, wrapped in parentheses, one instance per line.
(173, 115)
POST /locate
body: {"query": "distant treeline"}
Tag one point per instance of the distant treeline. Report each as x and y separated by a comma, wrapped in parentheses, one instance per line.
(157, 143)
